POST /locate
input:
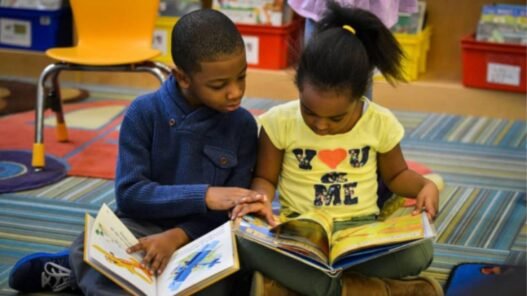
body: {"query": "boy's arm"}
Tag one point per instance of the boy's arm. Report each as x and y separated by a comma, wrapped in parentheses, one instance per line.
(405, 182)
(136, 194)
(139, 196)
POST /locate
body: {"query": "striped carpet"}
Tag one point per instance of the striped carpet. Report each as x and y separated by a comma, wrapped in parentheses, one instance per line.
(483, 206)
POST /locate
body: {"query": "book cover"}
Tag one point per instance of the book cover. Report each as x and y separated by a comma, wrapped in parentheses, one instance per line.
(411, 23)
(503, 23)
(190, 269)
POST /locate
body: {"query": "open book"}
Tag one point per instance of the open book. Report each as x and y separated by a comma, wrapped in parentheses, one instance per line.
(309, 238)
(190, 269)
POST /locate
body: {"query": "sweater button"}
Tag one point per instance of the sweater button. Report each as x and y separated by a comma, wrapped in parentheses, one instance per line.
(224, 160)
(172, 122)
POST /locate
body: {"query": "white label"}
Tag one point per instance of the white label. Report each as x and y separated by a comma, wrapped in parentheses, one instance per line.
(503, 74)
(252, 49)
(15, 32)
(160, 41)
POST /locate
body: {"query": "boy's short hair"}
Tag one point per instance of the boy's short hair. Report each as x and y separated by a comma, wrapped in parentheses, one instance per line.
(203, 35)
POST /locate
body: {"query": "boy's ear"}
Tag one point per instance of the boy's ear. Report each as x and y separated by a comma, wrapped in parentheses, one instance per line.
(182, 78)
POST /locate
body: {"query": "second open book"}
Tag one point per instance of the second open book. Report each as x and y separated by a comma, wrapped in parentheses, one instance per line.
(190, 269)
(309, 238)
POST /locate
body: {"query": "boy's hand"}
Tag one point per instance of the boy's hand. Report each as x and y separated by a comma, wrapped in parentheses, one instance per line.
(427, 200)
(159, 247)
(261, 208)
(226, 198)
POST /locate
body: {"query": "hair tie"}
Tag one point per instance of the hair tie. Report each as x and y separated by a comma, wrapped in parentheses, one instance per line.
(349, 28)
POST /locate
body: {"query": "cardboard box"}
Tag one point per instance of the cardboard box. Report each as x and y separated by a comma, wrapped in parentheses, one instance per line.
(256, 12)
(162, 39)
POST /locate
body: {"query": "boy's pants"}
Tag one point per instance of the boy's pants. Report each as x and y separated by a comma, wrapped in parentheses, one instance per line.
(91, 282)
(307, 280)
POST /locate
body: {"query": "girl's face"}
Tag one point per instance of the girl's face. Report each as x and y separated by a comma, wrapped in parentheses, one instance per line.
(328, 112)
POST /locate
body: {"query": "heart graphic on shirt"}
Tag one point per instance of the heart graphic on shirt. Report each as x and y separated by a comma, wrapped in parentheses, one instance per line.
(332, 157)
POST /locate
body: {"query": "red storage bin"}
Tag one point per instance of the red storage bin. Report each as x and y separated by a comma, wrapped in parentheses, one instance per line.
(493, 65)
(272, 47)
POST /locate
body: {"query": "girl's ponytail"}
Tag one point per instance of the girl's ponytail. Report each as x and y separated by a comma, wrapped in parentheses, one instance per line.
(347, 45)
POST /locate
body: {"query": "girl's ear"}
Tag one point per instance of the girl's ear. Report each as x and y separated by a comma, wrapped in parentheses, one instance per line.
(182, 78)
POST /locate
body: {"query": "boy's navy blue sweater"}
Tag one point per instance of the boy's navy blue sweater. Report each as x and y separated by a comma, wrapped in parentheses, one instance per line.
(170, 153)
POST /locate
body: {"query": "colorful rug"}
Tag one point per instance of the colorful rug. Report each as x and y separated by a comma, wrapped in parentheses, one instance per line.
(483, 206)
(16, 173)
(18, 96)
(93, 129)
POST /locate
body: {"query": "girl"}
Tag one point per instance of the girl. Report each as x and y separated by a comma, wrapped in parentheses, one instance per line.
(322, 152)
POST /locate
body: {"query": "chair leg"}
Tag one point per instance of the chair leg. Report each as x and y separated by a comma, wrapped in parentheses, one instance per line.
(38, 158)
(56, 105)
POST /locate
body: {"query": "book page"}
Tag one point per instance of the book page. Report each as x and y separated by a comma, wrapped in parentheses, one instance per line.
(392, 230)
(257, 230)
(108, 240)
(200, 263)
(318, 216)
(313, 229)
(303, 237)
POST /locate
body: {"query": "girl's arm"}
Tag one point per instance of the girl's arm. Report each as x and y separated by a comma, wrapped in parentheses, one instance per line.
(268, 166)
(405, 182)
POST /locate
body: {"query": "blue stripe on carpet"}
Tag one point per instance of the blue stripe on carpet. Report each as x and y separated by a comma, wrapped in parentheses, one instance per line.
(482, 216)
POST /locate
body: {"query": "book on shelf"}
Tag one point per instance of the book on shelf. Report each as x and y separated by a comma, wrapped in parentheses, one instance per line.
(411, 23)
(309, 238)
(503, 23)
(191, 268)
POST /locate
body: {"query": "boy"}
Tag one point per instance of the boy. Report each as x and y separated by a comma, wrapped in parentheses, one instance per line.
(186, 151)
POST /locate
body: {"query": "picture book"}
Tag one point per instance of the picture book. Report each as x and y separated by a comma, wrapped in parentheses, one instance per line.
(190, 269)
(503, 23)
(309, 238)
(411, 23)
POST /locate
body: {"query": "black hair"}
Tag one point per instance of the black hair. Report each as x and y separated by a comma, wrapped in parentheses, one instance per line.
(203, 35)
(338, 59)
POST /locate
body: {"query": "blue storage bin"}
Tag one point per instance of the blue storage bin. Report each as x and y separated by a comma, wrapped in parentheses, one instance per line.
(35, 29)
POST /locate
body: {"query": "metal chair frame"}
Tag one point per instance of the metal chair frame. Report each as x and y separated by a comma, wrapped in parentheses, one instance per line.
(49, 96)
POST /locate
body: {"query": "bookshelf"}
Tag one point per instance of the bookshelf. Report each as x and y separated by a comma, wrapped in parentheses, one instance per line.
(450, 21)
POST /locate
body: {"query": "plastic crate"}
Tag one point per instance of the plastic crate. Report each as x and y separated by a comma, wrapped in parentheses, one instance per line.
(272, 47)
(35, 29)
(163, 38)
(35, 4)
(415, 48)
(493, 65)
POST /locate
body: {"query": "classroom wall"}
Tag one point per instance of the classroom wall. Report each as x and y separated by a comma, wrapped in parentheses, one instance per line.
(451, 20)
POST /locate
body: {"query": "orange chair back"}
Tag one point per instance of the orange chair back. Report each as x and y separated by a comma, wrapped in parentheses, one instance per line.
(108, 23)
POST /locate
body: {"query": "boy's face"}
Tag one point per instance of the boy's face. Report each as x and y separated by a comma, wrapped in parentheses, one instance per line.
(328, 112)
(219, 85)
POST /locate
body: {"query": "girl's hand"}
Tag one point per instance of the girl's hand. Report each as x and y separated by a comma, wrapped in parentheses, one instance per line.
(226, 198)
(427, 200)
(261, 208)
(159, 247)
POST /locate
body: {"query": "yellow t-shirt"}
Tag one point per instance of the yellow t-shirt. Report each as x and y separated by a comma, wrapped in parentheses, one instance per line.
(337, 173)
